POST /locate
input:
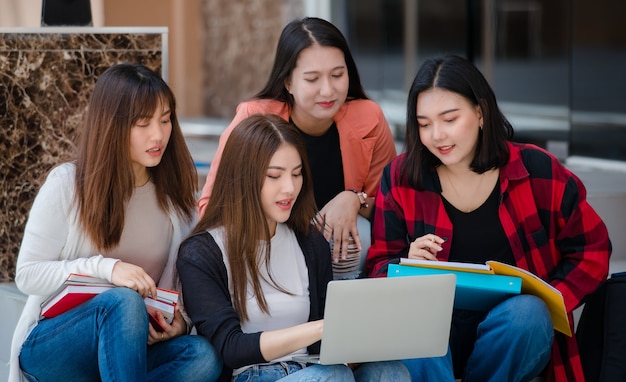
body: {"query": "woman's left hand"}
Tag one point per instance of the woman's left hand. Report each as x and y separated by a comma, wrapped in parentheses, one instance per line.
(176, 328)
(339, 216)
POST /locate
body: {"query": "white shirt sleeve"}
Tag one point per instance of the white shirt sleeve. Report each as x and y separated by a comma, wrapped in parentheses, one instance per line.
(53, 246)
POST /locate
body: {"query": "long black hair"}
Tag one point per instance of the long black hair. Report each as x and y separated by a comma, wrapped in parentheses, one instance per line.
(296, 36)
(460, 76)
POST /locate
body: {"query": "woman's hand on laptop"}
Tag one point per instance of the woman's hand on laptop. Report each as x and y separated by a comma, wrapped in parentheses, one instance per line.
(278, 343)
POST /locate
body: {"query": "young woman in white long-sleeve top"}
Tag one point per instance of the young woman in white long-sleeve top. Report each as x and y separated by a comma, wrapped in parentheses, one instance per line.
(118, 212)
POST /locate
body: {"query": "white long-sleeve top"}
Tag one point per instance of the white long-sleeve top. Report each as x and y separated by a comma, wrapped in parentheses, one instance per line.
(54, 245)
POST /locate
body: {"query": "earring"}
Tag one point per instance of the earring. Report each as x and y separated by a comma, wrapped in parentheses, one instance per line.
(481, 127)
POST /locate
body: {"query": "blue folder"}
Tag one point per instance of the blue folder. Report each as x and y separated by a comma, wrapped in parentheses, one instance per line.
(474, 291)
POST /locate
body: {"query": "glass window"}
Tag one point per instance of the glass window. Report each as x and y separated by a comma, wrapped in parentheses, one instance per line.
(556, 65)
(598, 79)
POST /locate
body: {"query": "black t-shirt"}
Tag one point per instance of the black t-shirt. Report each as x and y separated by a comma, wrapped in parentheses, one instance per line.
(478, 235)
(324, 156)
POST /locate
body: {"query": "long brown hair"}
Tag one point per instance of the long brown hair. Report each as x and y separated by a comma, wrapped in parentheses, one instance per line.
(235, 203)
(104, 181)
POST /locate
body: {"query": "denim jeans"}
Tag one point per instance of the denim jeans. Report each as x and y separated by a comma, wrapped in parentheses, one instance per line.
(105, 339)
(512, 342)
(390, 371)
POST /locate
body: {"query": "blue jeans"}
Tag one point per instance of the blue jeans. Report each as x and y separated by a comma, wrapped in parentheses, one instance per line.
(391, 371)
(105, 339)
(512, 342)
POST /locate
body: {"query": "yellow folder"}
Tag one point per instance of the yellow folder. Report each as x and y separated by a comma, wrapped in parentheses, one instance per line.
(531, 284)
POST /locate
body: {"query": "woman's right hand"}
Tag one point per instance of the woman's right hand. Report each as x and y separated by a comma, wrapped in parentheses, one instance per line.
(278, 343)
(426, 247)
(133, 277)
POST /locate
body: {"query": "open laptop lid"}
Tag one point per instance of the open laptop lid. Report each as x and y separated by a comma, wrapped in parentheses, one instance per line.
(382, 319)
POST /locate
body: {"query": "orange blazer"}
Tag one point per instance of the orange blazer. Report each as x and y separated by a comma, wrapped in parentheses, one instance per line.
(365, 139)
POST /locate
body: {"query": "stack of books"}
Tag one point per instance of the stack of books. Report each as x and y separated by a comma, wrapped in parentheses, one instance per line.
(78, 288)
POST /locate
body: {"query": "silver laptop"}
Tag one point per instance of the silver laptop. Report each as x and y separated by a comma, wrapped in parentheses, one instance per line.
(383, 319)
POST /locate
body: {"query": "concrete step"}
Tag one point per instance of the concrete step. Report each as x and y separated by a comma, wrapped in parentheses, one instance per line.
(12, 302)
(605, 182)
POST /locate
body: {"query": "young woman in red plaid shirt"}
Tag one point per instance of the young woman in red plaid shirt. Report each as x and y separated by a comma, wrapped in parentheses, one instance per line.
(463, 191)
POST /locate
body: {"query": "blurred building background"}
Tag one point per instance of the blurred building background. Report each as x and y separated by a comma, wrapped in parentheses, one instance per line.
(556, 65)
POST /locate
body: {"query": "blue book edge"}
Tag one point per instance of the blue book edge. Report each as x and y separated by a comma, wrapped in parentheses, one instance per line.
(474, 291)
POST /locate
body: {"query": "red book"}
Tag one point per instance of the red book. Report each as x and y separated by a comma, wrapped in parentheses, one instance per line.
(69, 297)
(80, 288)
(165, 302)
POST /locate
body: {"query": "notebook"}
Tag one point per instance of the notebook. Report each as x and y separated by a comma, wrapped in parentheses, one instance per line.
(382, 319)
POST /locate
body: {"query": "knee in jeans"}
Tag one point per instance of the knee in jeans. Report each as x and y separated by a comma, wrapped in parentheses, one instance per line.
(342, 373)
(531, 314)
(196, 344)
(206, 354)
(198, 351)
(124, 299)
(331, 372)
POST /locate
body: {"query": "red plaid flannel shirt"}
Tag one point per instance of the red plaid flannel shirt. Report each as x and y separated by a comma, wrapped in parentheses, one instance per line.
(552, 230)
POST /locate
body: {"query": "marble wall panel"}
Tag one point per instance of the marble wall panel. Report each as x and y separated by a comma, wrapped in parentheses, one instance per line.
(239, 42)
(46, 78)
